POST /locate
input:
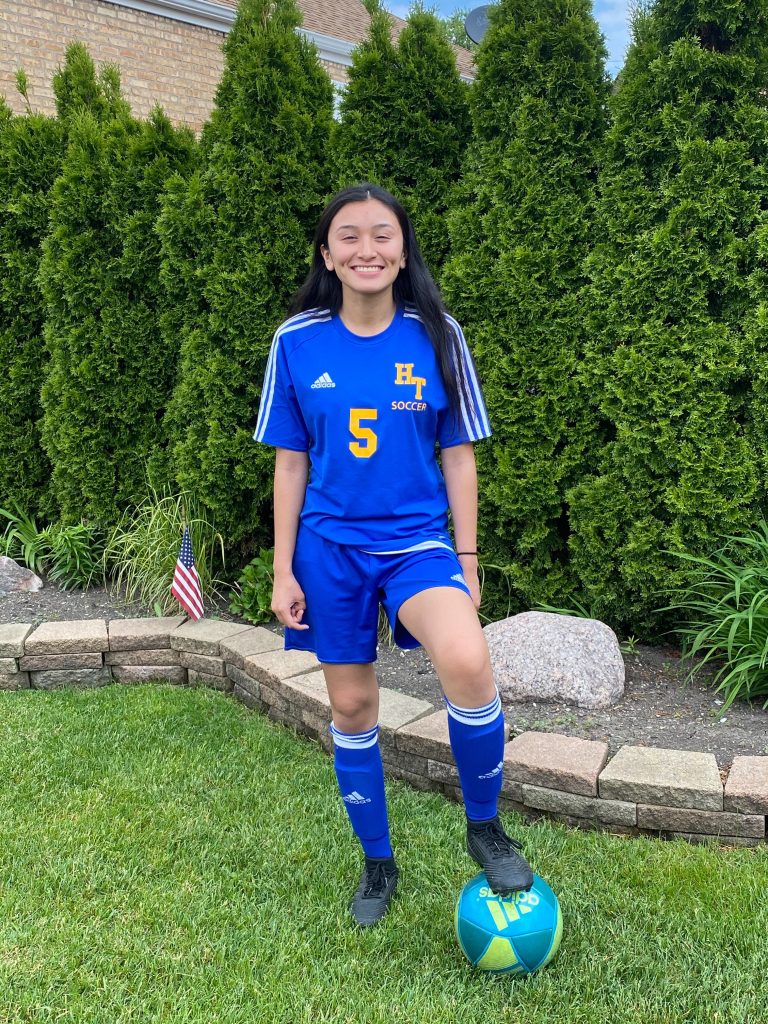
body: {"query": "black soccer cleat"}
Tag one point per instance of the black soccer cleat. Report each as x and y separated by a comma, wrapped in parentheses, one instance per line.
(497, 854)
(377, 885)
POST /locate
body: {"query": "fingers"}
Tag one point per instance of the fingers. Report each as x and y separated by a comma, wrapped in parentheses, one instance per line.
(290, 614)
(297, 613)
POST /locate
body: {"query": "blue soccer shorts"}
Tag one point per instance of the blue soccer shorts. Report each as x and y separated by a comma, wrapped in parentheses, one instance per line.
(344, 586)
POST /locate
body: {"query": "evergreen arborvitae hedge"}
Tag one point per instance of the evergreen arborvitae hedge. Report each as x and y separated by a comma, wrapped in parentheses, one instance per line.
(405, 123)
(236, 242)
(520, 229)
(31, 152)
(682, 189)
(30, 158)
(110, 374)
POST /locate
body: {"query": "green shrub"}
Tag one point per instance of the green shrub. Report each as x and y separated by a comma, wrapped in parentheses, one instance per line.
(31, 152)
(243, 250)
(30, 158)
(70, 555)
(23, 540)
(111, 373)
(143, 548)
(668, 367)
(405, 122)
(76, 553)
(252, 597)
(724, 607)
(521, 224)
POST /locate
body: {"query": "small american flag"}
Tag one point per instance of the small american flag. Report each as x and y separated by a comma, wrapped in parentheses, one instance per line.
(186, 583)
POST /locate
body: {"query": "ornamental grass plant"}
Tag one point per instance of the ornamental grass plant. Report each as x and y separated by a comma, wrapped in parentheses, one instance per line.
(724, 608)
(141, 551)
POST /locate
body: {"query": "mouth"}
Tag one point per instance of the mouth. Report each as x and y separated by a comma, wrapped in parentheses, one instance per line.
(363, 269)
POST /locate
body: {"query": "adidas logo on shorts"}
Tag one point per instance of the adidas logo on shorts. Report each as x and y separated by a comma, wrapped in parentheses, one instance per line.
(324, 381)
(459, 578)
(356, 798)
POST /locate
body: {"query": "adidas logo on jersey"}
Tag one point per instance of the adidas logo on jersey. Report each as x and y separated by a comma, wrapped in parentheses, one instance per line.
(356, 798)
(459, 578)
(324, 381)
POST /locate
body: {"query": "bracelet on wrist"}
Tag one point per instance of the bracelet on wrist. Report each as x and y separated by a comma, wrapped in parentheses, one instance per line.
(467, 553)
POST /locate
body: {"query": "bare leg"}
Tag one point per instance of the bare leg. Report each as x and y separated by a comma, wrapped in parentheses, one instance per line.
(444, 621)
(354, 695)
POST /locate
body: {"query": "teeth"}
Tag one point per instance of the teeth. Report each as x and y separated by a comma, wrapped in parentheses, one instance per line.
(366, 270)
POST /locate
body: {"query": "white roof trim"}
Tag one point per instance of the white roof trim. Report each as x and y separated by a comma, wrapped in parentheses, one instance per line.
(219, 18)
(193, 12)
(338, 51)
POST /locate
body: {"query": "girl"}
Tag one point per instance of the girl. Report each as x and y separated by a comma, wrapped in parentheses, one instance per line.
(362, 383)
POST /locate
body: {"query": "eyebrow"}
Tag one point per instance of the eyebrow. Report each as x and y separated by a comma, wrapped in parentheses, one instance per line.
(354, 227)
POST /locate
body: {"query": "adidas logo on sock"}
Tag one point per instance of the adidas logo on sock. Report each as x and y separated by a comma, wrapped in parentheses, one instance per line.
(489, 775)
(356, 798)
(324, 381)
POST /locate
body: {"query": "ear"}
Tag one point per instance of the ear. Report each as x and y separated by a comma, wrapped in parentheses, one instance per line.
(403, 260)
(326, 254)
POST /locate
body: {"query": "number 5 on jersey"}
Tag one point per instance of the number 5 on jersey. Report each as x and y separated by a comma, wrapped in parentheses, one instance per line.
(367, 442)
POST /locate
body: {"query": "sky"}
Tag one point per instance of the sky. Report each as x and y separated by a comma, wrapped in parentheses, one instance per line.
(612, 17)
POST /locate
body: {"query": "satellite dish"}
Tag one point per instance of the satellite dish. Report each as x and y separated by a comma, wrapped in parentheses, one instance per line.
(476, 24)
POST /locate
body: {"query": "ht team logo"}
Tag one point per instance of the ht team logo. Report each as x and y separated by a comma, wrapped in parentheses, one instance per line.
(366, 441)
(405, 376)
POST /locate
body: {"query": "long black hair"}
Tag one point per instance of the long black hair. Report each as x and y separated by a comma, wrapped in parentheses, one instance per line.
(413, 287)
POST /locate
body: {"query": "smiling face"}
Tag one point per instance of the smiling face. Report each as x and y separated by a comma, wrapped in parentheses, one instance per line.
(365, 248)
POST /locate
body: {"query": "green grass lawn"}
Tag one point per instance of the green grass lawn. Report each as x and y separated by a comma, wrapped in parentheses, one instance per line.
(169, 856)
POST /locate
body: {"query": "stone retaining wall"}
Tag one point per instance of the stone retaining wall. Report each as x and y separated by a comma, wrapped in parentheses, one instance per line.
(640, 790)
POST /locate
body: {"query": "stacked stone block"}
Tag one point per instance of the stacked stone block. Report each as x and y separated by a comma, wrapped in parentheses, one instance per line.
(12, 637)
(286, 683)
(672, 793)
(140, 650)
(66, 653)
(199, 651)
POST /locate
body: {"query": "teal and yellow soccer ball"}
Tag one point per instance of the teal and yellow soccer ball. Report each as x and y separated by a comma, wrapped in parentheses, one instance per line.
(515, 934)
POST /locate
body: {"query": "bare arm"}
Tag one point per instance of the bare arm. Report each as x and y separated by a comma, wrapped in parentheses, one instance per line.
(291, 473)
(460, 473)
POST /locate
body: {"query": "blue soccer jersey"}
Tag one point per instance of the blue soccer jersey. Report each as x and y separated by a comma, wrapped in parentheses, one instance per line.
(369, 412)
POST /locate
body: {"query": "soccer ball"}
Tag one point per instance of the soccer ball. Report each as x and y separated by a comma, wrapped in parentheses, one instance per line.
(513, 934)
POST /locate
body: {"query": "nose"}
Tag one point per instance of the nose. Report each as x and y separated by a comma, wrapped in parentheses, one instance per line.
(366, 249)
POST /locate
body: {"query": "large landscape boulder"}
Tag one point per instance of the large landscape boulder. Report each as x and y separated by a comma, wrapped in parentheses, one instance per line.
(14, 577)
(540, 656)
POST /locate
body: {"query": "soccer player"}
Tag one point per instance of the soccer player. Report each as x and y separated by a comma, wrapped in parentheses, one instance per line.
(362, 384)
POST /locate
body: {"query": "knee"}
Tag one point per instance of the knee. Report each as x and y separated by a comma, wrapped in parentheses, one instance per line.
(468, 668)
(354, 713)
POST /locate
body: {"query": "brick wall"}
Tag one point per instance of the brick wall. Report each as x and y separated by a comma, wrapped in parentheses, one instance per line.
(161, 60)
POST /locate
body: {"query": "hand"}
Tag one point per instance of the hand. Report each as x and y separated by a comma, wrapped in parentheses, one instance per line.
(288, 601)
(469, 570)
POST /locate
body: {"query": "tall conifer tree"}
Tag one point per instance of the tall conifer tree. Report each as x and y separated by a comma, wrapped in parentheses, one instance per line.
(405, 122)
(520, 229)
(682, 189)
(31, 152)
(110, 375)
(236, 244)
(30, 158)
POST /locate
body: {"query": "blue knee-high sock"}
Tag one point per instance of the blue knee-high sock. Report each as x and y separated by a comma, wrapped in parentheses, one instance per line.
(360, 773)
(477, 741)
